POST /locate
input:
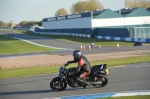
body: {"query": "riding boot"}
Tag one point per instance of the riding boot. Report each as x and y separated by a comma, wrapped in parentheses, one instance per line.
(83, 81)
(80, 80)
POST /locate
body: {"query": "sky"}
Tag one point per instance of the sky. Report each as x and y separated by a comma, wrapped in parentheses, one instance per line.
(36, 10)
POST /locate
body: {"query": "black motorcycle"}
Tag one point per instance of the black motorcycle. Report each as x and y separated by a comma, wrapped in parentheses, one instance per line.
(97, 78)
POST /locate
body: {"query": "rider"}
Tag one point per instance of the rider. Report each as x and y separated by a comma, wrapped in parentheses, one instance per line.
(92, 44)
(84, 66)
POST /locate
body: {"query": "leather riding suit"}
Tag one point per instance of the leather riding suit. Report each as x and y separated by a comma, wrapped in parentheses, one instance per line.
(83, 66)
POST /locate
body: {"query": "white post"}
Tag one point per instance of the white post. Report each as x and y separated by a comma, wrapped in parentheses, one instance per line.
(149, 32)
(134, 32)
(144, 33)
(140, 34)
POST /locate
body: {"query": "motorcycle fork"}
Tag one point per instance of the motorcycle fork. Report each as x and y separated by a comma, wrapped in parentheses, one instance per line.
(59, 85)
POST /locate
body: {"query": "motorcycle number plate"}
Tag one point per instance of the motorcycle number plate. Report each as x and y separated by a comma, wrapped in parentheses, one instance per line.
(107, 71)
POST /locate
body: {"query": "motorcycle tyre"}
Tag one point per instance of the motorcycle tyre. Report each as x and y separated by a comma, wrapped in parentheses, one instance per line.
(58, 89)
(103, 84)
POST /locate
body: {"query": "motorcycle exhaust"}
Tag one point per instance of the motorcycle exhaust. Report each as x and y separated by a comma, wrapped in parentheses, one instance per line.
(96, 83)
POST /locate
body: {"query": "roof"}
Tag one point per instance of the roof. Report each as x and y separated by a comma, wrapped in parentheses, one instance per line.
(130, 12)
(139, 12)
(125, 11)
(105, 13)
(95, 12)
(148, 9)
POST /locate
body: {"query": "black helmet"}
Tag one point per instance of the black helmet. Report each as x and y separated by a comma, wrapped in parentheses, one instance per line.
(77, 55)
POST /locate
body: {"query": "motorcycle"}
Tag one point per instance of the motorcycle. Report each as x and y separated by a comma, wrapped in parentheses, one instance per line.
(91, 44)
(139, 43)
(97, 78)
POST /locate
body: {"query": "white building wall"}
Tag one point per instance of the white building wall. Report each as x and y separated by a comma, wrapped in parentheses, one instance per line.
(121, 21)
(70, 23)
(107, 22)
(137, 20)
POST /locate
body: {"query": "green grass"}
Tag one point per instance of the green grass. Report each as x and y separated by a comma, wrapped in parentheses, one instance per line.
(79, 39)
(129, 97)
(53, 69)
(124, 61)
(13, 46)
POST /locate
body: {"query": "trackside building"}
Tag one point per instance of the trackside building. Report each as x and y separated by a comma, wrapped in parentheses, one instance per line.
(75, 23)
(125, 24)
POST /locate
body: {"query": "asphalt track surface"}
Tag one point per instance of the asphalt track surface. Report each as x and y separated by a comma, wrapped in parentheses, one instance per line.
(125, 78)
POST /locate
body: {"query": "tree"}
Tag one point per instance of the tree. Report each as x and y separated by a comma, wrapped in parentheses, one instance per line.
(61, 11)
(137, 3)
(30, 23)
(9, 24)
(24, 23)
(2, 24)
(88, 5)
(40, 23)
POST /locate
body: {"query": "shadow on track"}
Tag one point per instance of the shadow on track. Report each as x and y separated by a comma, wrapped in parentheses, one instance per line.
(29, 92)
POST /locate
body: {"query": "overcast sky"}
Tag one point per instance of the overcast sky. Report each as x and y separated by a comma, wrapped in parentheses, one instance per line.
(36, 10)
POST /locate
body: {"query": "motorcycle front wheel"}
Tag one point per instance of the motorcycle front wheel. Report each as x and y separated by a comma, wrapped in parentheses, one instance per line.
(57, 85)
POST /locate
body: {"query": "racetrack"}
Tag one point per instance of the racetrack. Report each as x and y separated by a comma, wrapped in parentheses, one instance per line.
(126, 78)
(69, 45)
(51, 58)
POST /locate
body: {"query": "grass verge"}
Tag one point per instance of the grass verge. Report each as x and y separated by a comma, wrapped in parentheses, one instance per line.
(129, 97)
(13, 46)
(53, 69)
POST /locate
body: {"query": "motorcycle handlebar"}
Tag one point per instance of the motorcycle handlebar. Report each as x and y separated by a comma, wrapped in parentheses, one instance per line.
(66, 65)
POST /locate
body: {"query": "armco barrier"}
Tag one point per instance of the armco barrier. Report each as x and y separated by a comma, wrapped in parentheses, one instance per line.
(123, 38)
(65, 34)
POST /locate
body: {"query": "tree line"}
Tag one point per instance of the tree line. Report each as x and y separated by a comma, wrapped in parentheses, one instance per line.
(22, 23)
(3, 24)
(30, 23)
(90, 5)
(137, 3)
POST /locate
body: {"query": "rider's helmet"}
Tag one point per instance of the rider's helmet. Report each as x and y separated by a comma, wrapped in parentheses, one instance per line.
(77, 55)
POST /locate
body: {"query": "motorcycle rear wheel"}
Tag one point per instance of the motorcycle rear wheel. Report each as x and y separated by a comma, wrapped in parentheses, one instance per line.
(58, 85)
(104, 80)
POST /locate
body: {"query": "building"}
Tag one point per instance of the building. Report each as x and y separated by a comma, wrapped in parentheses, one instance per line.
(101, 23)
